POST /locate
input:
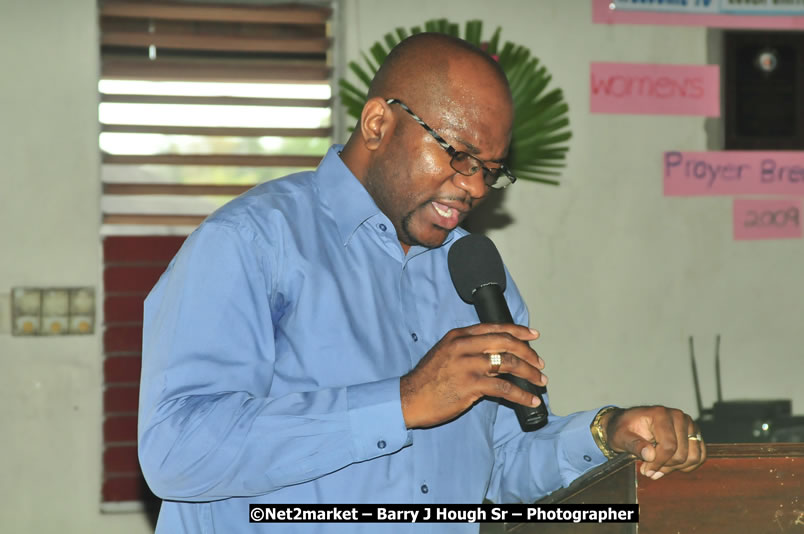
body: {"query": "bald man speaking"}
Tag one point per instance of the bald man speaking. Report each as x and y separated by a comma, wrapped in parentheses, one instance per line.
(306, 344)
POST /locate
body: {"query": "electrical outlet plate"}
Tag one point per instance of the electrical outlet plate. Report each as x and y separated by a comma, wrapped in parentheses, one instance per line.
(55, 311)
(26, 309)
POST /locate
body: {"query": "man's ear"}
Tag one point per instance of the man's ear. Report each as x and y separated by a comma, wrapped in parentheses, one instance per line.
(376, 123)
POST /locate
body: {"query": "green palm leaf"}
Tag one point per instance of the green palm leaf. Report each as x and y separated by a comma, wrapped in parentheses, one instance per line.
(360, 73)
(493, 42)
(378, 53)
(474, 30)
(541, 122)
(391, 40)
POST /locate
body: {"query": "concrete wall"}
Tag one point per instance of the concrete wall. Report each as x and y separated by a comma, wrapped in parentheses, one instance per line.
(50, 388)
(617, 277)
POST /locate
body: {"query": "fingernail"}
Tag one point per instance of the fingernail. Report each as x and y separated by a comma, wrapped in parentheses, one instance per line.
(657, 475)
(544, 379)
(536, 400)
(541, 362)
(649, 473)
(644, 453)
(534, 332)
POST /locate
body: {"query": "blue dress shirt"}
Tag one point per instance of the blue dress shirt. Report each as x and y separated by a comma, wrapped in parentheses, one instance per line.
(273, 346)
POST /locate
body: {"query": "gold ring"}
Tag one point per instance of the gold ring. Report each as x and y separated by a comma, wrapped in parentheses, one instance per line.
(495, 360)
(696, 437)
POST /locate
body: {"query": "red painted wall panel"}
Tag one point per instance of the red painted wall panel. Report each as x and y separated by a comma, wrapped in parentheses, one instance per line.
(124, 488)
(124, 249)
(132, 265)
(122, 369)
(123, 309)
(123, 339)
(121, 399)
(121, 460)
(120, 428)
(131, 279)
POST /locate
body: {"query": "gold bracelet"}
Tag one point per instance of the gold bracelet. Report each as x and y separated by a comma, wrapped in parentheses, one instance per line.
(599, 435)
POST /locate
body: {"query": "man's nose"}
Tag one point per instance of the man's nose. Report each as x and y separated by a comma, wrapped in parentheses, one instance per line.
(474, 185)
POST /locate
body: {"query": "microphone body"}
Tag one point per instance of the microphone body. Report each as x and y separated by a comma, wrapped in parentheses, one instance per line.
(491, 307)
(478, 274)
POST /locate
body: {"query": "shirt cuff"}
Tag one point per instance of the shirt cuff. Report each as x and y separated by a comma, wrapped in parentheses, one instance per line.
(375, 415)
(580, 450)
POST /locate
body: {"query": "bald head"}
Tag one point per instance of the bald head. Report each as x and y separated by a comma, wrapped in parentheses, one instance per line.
(431, 70)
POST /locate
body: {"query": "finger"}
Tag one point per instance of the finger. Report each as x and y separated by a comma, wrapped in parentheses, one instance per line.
(684, 427)
(500, 343)
(518, 331)
(512, 365)
(674, 449)
(635, 444)
(703, 455)
(499, 387)
(643, 449)
(697, 450)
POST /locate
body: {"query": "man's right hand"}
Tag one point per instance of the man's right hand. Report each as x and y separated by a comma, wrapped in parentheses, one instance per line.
(456, 372)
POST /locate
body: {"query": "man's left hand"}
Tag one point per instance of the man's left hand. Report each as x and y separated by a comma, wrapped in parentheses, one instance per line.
(666, 439)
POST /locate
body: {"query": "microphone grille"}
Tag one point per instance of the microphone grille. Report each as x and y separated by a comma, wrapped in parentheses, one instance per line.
(473, 262)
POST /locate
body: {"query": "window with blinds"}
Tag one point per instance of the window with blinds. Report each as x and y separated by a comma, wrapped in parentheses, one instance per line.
(198, 103)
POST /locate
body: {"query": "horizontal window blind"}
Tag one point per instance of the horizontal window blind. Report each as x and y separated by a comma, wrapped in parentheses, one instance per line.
(200, 102)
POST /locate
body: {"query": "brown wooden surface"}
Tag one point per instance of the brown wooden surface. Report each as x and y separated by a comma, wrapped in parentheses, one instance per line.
(159, 220)
(244, 160)
(215, 42)
(746, 487)
(615, 485)
(752, 488)
(215, 100)
(219, 131)
(175, 189)
(249, 14)
(128, 68)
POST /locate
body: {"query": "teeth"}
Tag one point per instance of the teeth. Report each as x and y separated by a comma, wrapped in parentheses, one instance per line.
(447, 214)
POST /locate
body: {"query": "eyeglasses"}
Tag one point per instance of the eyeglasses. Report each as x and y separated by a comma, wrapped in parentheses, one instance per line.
(466, 164)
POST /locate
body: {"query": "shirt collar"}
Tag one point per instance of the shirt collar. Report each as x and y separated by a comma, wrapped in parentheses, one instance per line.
(348, 201)
(343, 194)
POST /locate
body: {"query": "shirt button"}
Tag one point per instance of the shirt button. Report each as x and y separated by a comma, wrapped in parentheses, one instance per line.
(383, 227)
(414, 336)
(587, 457)
(381, 444)
(424, 488)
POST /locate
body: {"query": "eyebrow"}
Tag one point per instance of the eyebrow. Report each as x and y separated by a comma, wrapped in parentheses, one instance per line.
(474, 150)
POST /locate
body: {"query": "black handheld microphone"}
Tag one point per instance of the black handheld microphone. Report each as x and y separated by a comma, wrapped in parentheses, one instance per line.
(478, 274)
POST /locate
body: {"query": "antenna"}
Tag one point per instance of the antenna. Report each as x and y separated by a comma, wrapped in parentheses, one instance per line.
(695, 380)
(717, 368)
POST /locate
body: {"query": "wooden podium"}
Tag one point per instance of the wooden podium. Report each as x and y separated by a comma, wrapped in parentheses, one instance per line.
(751, 488)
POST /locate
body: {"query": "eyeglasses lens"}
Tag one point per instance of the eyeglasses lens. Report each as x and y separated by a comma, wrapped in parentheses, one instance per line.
(469, 165)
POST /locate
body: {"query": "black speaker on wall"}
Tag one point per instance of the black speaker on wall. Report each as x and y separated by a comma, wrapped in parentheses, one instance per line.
(763, 90)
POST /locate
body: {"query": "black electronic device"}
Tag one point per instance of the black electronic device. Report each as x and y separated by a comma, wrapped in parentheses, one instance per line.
(744, 420)
(478, 274)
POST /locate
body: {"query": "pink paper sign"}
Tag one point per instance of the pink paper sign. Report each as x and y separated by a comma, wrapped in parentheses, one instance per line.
(767, 218)
(602, 14)
(645, 88)
(732, 172)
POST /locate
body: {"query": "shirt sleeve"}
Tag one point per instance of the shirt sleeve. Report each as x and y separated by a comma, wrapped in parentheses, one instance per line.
(209, 425)
(530, 465)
